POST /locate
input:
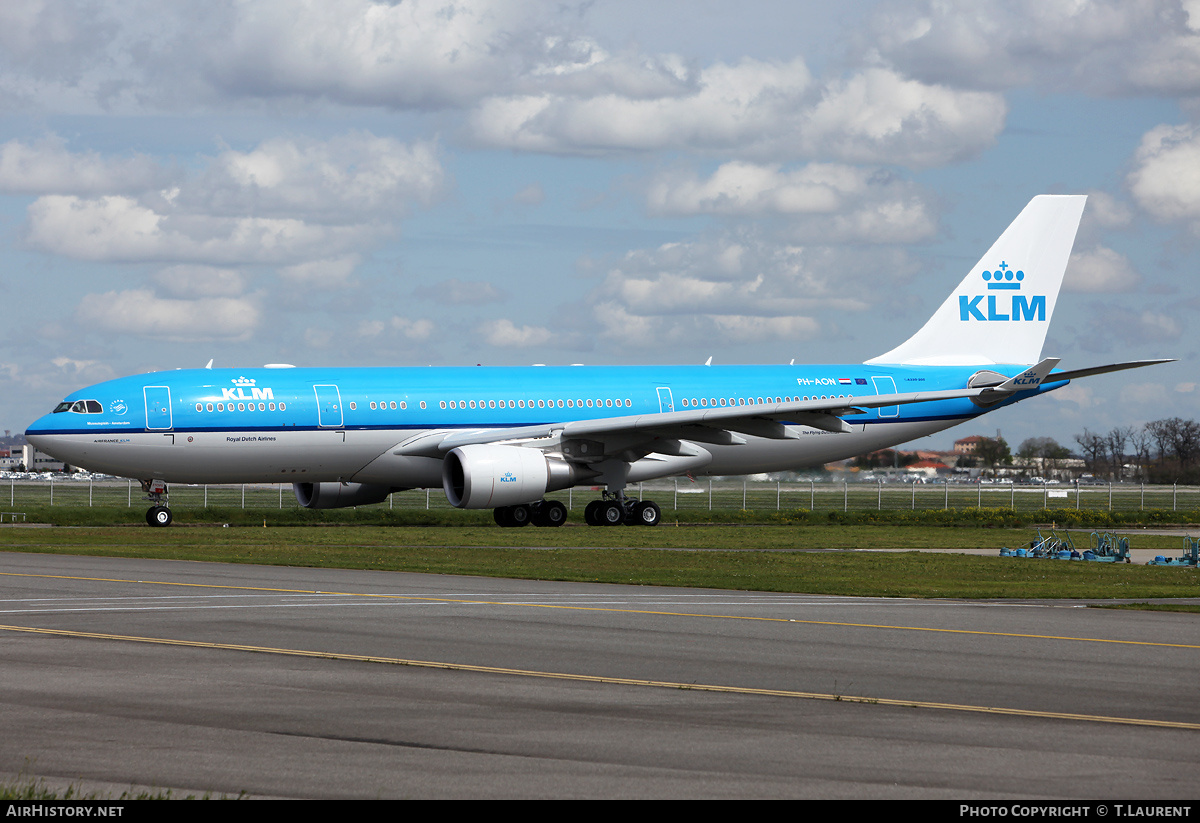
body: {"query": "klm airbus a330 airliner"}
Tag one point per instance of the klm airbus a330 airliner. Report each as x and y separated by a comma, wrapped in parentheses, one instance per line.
(501, 438)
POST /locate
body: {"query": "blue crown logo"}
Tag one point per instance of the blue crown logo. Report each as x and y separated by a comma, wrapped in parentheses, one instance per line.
(243, 381)
(1004, 278)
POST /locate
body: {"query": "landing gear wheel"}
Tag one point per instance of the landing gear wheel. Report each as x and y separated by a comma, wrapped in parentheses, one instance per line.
(645, 513)
(550, 513)
(158, 516)
(591, 514)
(519, 515)
(611, 513)
(511, 516)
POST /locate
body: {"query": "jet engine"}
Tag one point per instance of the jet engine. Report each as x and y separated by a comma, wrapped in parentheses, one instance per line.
(484, 476)
(340, 495)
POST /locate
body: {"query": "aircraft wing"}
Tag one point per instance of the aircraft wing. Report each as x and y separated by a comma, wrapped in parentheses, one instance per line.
(720, 425)
(646, 433)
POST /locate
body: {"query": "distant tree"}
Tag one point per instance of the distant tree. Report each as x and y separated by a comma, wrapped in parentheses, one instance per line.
(1178, 443)
(1117, 440)
(1092, 448)
(1185, 441)
(1160, 433)
(1033, 447)
(1140, 441)
(1046, 451)
(993, 451)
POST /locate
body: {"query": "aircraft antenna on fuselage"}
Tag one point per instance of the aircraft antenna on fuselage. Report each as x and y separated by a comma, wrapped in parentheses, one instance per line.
(1001, 310)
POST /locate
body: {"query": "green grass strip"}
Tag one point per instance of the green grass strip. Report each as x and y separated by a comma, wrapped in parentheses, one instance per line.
(760, 558)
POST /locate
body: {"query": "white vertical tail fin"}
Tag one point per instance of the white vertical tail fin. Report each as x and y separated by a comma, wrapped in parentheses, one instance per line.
(1000, 312)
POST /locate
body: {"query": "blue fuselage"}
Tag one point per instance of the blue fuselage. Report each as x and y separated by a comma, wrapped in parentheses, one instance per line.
(272, 424)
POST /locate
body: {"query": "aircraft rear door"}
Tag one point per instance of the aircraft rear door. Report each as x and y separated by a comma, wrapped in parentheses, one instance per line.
(886, 385)
(329, 406)
(158, 407)
(665, 403)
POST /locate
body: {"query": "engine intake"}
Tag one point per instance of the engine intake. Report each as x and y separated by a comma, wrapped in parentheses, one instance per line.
(485, 476)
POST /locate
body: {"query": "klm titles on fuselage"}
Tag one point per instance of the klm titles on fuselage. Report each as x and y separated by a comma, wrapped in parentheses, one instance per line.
(1019, 308)
(239, 392)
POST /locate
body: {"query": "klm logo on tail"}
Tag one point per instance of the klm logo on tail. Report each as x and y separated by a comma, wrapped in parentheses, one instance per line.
(1018, 308)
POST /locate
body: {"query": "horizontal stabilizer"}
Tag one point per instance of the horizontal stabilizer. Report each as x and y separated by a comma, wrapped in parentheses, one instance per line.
(1075, 374)
(1031, 378)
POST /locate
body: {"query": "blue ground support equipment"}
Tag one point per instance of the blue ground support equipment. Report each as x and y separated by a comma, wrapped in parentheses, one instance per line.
(1051, 545)
(1107, 547)
(1190, 556)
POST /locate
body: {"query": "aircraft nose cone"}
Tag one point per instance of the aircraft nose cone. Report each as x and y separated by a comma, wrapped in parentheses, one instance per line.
(42, 433)
(38, 427)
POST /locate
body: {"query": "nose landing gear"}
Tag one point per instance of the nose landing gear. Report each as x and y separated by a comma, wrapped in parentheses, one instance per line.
(156, 492)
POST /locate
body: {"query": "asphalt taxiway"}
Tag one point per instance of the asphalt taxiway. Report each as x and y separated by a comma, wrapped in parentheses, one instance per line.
(287, 682)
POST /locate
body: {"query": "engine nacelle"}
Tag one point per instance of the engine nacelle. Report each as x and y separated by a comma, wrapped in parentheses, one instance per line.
(487, 477)
(340, 495)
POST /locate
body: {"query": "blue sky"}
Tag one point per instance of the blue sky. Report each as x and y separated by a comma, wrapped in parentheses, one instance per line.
(432, 182)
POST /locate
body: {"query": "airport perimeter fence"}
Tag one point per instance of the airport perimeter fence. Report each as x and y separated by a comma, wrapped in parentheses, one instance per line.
(671, 495)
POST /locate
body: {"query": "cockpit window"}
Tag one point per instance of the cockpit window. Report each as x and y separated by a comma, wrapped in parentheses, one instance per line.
(79, 407)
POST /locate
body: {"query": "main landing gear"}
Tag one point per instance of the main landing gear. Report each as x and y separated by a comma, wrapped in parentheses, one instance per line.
(613, 511)
(541, 513)
(156, 492)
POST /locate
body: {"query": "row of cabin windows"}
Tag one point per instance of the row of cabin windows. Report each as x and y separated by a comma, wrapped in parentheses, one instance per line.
(453, 404)
(515, 404)
(240, 407)
(743, 401)
(571, 403)
(504, 404)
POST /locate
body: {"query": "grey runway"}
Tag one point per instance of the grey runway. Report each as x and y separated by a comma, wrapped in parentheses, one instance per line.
(286, 682)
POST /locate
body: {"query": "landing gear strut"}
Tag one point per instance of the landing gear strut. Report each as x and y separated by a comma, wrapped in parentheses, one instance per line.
(156, 492)
(617, 509)
(541, 513)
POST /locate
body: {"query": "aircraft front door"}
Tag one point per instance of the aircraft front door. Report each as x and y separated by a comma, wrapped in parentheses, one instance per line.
(329, 406)
(158, 407)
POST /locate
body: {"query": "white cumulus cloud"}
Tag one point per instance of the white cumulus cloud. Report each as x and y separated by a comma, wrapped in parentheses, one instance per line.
(831, 202)
(1165, 180)
(328, 273)
(117, 228)
(345, 179)
(737, 288)
(142, 313)
(199, 281)
(1099, 46)
(46, 166)
(285, 201)
(759, 109)
(1100, 269)
(503, 333)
